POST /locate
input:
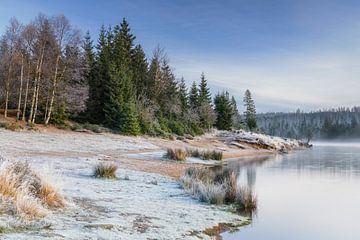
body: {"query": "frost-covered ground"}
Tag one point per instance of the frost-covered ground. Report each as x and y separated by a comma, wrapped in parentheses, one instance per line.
(147, 206)
(160, 155)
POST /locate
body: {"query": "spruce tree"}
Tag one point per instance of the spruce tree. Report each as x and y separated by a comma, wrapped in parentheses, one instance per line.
(193, 96)
(183, 95)
(204, 91)
(98, 79)
(205, 111)
(139, 67)
(224, 111)
(237, 123)
(250, 112)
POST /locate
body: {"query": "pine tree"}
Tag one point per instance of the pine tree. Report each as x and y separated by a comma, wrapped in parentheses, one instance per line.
(224, 111)
(250, 112)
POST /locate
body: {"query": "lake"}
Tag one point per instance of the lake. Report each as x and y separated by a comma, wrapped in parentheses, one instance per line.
(312, 194)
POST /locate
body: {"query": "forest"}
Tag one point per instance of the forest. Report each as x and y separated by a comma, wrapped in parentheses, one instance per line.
(50, 73)
(337, 123)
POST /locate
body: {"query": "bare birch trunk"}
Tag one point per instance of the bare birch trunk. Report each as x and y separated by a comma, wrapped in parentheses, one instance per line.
(7, 91)
(26, 95)
(53, 91)
(20, 91)
(36, 88)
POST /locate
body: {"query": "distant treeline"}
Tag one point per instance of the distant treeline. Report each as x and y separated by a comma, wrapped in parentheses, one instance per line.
(323, 124)
(50, 73)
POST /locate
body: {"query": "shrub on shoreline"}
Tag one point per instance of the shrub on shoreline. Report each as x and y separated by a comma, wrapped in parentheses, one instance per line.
(206, 186)
(176, 154)
(205, 155)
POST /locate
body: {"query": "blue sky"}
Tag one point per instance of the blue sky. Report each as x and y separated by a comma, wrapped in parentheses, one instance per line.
(290, 54)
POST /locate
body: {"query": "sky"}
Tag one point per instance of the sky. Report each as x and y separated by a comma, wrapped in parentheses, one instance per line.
(290, 54)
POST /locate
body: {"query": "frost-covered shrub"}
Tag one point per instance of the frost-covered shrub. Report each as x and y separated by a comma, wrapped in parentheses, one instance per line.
(27, 190)
(105, 170)
(176, 154)
(205, 155)
(204, 185)
(245, 199)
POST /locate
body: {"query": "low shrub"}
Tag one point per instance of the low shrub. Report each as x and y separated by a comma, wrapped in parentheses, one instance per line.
(176, 154)
(105, 170)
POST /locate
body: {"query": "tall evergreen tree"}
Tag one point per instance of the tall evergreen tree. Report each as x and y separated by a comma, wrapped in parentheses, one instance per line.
(183, 95)
(193, 96)
(250, 112)
(98, 77)
(139, 69)
(224, 111)
(237, 123)
(205, 111)
(204, 91)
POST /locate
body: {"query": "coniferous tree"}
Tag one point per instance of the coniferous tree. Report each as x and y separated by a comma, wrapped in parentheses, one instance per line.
(250, 112)
(206, 113)
(139, 67)
(99, 79)
(237, 123)
(204, 91)
(193, 96)
(224, 111)
(183, 95)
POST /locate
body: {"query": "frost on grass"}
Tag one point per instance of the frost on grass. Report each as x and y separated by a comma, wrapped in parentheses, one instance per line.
(207, 186)
(176, 154)
(30, 193)
(105, 170)
(135, 209)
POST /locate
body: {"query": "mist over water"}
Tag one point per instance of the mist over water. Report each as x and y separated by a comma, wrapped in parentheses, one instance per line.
(312, 194)
(338, 143)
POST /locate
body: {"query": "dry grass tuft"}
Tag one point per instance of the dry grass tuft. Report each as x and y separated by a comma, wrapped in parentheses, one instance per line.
(51, 197)
(205, 185)
(205, 155)
(245, 199)
(105, 170)
(27, 191)
(176, 154)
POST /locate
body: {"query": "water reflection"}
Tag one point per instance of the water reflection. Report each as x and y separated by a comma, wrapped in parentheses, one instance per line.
(302, 192)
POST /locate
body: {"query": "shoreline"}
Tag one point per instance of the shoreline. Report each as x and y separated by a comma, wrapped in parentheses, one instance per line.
(72, 155)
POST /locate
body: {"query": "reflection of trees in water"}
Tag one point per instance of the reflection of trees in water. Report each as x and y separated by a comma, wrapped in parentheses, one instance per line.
(333, 161)
(251, 177)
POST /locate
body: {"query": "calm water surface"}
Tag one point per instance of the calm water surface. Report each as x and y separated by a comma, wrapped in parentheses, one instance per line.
(308, 195)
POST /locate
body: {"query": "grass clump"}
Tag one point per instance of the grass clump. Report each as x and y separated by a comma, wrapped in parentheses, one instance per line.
(176, 154)
(29, 192)
(92, 127)
(105, 170)
(205, 155)
(13, 127)
(246, 200)
(208, 186)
